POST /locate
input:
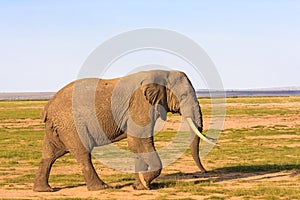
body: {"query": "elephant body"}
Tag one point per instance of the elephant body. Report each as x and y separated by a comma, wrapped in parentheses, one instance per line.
(93, 112)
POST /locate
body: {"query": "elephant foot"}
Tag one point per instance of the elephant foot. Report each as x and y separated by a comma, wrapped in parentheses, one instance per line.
(97, 187)
(139, 186)
(142, 184)
(45, 188)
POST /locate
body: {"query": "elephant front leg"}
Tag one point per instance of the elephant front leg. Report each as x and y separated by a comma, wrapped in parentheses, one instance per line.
(154, 169)
(140, 166)
(148, 164)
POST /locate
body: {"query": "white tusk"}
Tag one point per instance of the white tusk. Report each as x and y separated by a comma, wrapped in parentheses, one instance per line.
(197, 132)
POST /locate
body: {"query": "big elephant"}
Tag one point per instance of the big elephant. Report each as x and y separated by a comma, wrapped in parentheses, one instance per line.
(94, 112)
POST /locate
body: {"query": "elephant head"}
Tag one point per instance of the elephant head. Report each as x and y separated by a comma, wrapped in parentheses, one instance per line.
(172, 91)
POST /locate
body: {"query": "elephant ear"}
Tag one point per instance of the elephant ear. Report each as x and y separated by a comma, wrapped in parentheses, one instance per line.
(155, 94)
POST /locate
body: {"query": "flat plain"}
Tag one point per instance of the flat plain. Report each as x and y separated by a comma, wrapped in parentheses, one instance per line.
(258, 156)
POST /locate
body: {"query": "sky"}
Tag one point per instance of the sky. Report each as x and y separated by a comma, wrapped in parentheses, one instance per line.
(253, 44)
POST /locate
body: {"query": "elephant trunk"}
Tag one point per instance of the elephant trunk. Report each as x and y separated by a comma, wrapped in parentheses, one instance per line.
(193, 116)
(196, 136)
(195, 152)
(191, 111)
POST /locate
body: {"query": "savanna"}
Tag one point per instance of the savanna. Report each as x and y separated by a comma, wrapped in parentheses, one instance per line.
(258, 156)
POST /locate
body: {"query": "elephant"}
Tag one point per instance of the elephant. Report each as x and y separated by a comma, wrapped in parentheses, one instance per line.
(125, 107)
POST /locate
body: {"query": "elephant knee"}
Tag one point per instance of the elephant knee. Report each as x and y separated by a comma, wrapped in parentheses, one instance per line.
(153, 160)
(156, 165)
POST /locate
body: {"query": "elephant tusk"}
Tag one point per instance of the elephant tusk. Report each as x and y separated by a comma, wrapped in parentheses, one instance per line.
(197, 132)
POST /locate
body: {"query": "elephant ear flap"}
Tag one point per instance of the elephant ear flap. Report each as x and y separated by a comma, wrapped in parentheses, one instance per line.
(155, 94)
(152, 92)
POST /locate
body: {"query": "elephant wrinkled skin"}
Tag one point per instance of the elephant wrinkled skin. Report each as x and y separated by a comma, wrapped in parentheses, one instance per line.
(126, 107)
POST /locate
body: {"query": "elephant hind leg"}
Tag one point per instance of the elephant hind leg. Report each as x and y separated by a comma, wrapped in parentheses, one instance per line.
(52, 150)
(41, 179)
(93, 182)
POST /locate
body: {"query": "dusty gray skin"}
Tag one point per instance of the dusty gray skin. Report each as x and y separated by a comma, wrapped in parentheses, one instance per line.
(124, 107)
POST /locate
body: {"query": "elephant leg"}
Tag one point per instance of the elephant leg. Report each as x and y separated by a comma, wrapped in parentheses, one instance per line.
(93, 182)
(148, 164)
(140, 166)
(153, 161)
(52, 149)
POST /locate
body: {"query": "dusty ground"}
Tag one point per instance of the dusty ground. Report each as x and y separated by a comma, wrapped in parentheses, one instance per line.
(230, 180)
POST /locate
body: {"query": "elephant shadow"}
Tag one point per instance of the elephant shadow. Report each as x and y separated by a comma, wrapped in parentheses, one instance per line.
(216, 175)
(56, 189)
(226, 174)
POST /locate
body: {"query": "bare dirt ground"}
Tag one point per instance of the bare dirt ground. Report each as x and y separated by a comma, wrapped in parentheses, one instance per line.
(230, 180)
(243, 121)
(21, 123)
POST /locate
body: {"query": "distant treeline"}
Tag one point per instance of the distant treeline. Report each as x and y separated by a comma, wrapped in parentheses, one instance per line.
(200, 93)
(248, 93)
(26, 95)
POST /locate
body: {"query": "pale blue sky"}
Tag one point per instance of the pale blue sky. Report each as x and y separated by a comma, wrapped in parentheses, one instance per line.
(254, 44)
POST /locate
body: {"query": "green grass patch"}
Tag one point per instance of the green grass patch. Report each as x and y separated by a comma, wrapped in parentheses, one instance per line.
(20, 148)
(21, 109)
(263, 100)
(267, 192)
(259, 147)
(260, 111)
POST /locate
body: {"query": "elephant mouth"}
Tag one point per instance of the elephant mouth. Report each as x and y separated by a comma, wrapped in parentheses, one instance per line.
(201, 136)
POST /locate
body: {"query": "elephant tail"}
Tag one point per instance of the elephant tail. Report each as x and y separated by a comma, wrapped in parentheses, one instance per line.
(44, 112)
